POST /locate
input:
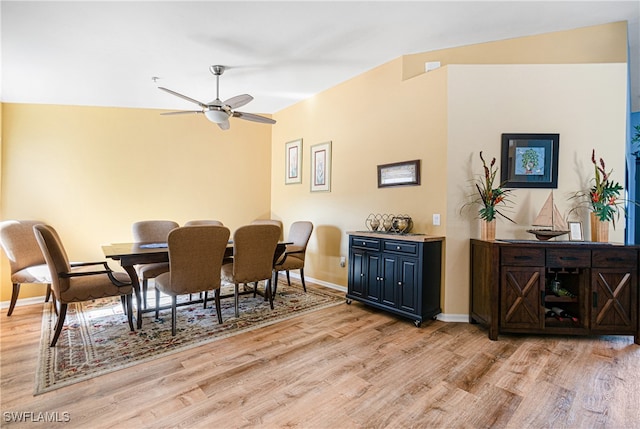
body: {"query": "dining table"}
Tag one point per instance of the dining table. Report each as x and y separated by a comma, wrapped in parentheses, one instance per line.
(131, 254)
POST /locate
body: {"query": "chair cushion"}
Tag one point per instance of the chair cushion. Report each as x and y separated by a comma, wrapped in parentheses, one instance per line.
(85, 288)
(226, 273)
(291, 263)
(149, 271)
(34, 274)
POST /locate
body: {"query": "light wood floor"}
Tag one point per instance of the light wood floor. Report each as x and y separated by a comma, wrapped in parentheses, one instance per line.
(343, 367)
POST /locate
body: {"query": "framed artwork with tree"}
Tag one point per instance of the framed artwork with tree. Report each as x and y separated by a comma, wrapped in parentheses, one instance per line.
(530, 160)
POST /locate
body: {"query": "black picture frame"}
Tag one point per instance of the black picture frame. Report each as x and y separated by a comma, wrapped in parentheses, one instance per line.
(405, 173)
(530, 160)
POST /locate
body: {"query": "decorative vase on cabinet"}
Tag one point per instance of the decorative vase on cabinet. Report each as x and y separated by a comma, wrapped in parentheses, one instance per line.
(599, 229)
(488, 230)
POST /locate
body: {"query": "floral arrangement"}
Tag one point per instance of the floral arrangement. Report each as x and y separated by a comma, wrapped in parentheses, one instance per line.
(490, 197)
(604, 195)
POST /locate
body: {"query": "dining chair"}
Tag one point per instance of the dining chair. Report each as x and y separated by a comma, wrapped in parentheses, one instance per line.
(254, 247)
(203, 222)
(81, 282)
(195, 261)
(26, 261)
(151, 231)
(294, 255)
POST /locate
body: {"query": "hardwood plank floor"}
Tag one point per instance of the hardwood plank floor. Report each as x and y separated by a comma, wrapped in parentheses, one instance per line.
(342, 367)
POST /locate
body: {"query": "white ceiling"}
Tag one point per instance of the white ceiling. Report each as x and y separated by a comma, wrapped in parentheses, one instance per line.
(106, 53)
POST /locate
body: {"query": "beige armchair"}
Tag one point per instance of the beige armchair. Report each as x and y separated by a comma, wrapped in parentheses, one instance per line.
(195, 259)
(151, 231)
(79, 284)
(254, 247)
(293, 258)
(26, 261)
(275, 222)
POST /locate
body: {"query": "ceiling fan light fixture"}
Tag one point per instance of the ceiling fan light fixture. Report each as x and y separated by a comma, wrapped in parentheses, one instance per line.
(216, 116)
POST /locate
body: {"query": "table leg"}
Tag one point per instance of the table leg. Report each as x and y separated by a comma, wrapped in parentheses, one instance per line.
(135, 283)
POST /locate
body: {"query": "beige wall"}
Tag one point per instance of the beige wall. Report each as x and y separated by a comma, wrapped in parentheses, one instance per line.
(584, 103)
(91, 172)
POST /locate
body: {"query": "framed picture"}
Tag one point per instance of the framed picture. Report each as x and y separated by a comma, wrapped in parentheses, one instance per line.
(321, 167)
(405, 173)
(575, 231)
(293, 161)
(530, 160)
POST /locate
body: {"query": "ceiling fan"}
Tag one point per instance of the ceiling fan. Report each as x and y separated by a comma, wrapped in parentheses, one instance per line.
(217, 111)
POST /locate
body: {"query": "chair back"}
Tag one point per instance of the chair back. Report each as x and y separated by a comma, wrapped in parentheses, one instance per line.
(203, 222)
(275, 222)
(152, 231)
(19, 244)
(54, 255)
(299, 234)
(195, 257)
(253, 249)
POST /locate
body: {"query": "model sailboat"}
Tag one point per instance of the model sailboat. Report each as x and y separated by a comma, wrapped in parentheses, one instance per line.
(550, 221)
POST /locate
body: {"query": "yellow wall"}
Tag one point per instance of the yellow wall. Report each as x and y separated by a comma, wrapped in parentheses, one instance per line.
(91, 172)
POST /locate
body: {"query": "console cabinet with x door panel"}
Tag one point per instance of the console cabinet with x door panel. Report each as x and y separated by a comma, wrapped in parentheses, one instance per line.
(396, 273)
(566, 288)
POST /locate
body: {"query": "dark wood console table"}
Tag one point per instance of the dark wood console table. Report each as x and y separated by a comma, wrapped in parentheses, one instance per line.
(596, 284)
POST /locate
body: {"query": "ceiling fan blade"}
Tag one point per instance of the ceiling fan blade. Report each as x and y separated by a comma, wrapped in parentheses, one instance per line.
(182, 112)
(184, 97)
(238, 101)
(254, 118)
(224, 125)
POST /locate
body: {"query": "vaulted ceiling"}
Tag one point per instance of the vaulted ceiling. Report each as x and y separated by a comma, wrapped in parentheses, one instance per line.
(106, 53)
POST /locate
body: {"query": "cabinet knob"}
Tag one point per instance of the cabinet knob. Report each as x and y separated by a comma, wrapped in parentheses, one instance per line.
(398, 248)
(361, 274)
(399, 283)
(364, 243)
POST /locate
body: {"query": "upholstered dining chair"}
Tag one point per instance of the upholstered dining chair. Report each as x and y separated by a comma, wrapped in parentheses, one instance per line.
(293, 258)
(195, 259)
(82, 283)
(151, 231)
(254, 247)
(275, 222)
(203, 222)
(26, 261)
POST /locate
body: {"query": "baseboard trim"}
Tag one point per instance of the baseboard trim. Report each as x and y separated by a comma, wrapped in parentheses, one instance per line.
(23, 301)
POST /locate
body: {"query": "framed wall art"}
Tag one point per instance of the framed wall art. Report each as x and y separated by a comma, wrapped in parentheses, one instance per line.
(530, 160)
(575, 231)
(321, 167)
(293, 162)
(405, 173)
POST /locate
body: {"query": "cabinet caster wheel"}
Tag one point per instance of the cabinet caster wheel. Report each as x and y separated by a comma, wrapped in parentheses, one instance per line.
(417, 323)
(348, 302)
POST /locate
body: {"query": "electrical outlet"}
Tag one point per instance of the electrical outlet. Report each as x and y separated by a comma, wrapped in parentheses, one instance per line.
(343, 261)
(436, 219)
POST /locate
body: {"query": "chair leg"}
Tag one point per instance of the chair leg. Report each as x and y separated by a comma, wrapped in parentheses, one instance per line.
(129, 312)
(157, 303)
(59, 324)
(255, 289)
(216, 297)
(173, 315)
(204, 299)
(304, 286)
(267, 292)
(48, 295)
(236, 299)
(14, 298)
(288, 278)
(274, 286)
(145, 286)
(123, 300)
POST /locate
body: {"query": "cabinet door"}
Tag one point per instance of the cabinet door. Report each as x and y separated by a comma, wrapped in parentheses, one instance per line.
(389, 292)
(357, 273)
(520, 297)
(408, 283)
(613, 298)
(372, 282)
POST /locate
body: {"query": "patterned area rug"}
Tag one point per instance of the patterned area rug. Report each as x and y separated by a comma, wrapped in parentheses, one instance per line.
(96, 338)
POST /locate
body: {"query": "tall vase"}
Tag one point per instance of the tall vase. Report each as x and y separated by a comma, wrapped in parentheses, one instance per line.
(488, 230)
(599, 229)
